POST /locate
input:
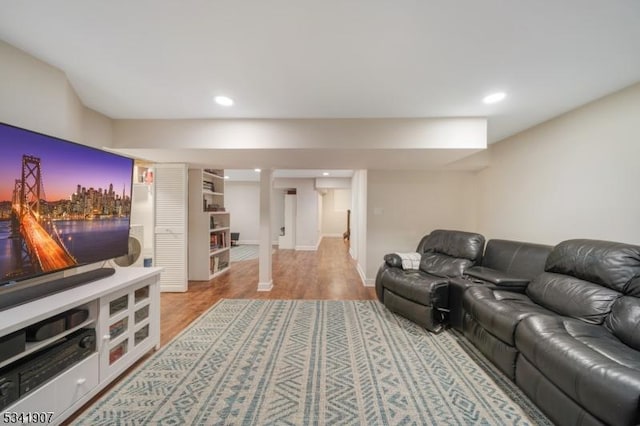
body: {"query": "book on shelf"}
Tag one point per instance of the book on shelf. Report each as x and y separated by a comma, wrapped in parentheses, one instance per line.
(209, 186)
(213, 242)
(218, 240)
(213, 207)
(215, 264)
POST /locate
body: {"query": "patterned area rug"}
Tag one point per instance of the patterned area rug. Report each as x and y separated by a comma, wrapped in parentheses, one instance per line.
(312, 362)
(244, 252)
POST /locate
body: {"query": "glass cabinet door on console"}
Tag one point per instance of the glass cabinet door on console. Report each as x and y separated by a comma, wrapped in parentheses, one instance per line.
(126, 321)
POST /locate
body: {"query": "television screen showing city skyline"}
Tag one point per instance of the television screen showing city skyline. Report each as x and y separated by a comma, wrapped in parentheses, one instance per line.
(62, 204)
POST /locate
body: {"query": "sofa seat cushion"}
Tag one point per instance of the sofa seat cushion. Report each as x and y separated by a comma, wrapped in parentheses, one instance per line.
(499, 311)
(417, 286)
(587, 362)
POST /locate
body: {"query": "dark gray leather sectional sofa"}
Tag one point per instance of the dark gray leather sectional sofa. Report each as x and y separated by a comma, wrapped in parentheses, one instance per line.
(570, 338)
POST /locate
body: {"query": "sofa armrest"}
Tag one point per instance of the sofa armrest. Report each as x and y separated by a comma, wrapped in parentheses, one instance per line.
(393, 259)
(498, 278)
(403, 260)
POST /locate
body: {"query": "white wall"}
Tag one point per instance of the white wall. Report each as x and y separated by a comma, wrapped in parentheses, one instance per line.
(277, 212)
(37, 96)
(329, 182)
(334, 211)
(358, 238)
(97, 129)
(142, 204)
(242, 200)
(307, 236)
(575, 176)
(342, 199)
(403, 206)
(296, 134)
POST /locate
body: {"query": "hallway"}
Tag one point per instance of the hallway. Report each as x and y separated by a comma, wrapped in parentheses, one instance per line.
(326, 274)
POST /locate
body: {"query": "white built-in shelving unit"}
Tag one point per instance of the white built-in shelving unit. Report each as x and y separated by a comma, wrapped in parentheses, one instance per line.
(209, 225)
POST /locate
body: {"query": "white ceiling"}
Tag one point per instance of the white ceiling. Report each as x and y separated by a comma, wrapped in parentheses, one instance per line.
(334, 58)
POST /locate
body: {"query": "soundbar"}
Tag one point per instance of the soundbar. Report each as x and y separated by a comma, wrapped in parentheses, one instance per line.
(16, 294)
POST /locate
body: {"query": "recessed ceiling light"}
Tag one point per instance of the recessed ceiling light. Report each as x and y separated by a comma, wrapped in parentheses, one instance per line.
(226, 177)
(223, 100)
(257, 170)
(325, 173)
(494, 97)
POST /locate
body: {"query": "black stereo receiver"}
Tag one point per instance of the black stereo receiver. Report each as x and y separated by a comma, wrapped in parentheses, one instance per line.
(17, 380)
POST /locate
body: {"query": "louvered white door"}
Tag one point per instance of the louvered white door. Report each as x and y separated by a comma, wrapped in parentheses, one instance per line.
(171, 225)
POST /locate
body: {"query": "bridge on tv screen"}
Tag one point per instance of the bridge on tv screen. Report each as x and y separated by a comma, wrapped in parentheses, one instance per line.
(44, 248)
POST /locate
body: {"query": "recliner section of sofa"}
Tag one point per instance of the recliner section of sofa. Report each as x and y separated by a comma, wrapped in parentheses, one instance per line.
(586, 364)
(421, 295)
(572, 342)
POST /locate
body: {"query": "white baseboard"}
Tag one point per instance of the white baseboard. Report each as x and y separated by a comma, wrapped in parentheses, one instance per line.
(363, 277)
(332, 235)
(265, 286)
(306, 248)
(172, 289)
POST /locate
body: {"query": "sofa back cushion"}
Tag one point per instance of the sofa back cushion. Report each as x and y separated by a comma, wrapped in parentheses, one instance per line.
(443, 265)
(624, 321)
(450, 253)
(572, 297)
(607, 263)
(518, 259)
(459, 244)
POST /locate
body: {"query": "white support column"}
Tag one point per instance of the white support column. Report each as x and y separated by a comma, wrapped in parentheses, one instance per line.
(265, 282)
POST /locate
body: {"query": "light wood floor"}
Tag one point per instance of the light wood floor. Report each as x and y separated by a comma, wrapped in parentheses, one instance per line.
(326, 274)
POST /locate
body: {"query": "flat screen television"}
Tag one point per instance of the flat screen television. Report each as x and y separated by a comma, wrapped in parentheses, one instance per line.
(62, 205)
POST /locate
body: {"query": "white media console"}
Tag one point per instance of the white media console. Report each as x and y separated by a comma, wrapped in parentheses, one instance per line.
(124, 310)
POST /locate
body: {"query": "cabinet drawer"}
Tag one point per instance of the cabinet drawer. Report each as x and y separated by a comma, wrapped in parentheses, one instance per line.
(77, 382)
(62, 390)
